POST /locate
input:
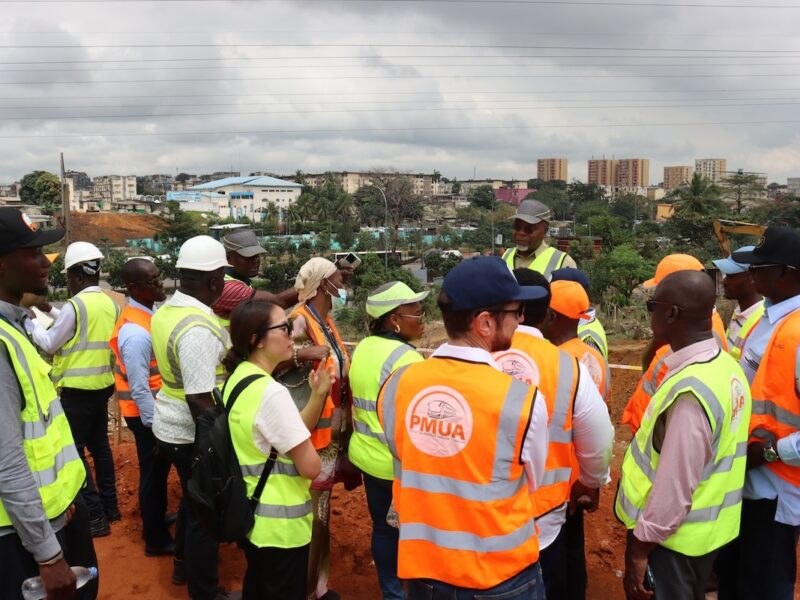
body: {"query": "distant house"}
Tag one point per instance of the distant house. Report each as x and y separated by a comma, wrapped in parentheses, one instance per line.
(512, 195)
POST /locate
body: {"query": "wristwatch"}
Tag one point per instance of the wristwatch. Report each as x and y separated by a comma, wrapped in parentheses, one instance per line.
(770, 454)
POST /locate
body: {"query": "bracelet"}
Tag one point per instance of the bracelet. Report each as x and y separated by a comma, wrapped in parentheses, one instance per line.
(52, 561)
(294, 358)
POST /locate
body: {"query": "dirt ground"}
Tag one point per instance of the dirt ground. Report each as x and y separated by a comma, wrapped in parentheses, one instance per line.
(117, 227)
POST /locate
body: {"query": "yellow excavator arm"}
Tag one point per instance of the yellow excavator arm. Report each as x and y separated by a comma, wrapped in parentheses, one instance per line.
(723, 228)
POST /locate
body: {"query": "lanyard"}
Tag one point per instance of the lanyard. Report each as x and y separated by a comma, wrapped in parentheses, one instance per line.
(330, 337)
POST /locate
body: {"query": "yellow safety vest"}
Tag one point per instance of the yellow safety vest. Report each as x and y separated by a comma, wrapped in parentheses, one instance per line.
(283, 515)
(713, 519)
(86, 361)
(736, 344)
(547, 262)
(46, 435)
(594, 332)
(374, 359)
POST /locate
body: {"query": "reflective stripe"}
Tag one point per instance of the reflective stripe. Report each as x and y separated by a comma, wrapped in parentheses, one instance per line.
(364, 403)
(84, 346)
(468, 490)
(461, 540)
(49, 475)
(777, 412)
(388, 409)
(563, 400)
(124, 395)
(763, 434)
(726, 463)
(651, 385)
(504, 454)
(595, 338)
(389, 363)
(81, 371)
(279, 468)
(363, 429)
(38, 429)
(124, 376)
(276, 511)
(174, 338)
(555, 261)
(702, 515)
(23, 361)
(323, 423)
(554, 476)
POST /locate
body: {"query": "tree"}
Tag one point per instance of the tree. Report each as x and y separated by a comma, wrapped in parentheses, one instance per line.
(345, 234)
(742, 188)
(697, 203)
(55, 277)
(42, 189)
(366, 241)
(583, 193)
(183, 177)
(456, 188)
(616, 274)
(556, 199)
(178, 227)
(402, 203)
(113, 267)
(482, 197)
(610, 231)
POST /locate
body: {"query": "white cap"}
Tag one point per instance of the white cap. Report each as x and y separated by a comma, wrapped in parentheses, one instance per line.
(202, 253)
(81, 252)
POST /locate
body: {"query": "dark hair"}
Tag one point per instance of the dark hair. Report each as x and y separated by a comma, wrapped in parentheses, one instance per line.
(535, 310)
(458, 322)
(249, 322)
(79, 271)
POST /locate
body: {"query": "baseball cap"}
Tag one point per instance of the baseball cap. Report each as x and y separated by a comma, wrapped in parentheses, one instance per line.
(484, 281)
(778, 245)
(570, 299)
(671, 264)
(389, 296)
(728, 266)
(570, 274)
(17, 231)
(532, 211)
(243, 242)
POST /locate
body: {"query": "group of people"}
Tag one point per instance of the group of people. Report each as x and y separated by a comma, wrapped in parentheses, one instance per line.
(478, 462)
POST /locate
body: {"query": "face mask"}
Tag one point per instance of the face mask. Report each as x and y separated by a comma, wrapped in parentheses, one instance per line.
(340, 298)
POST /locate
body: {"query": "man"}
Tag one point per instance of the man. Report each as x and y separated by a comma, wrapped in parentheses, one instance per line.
(762, 562)
(137, 382)
(682, 475)
(82, 371)
(590, 330)
(531, 251)
(44, 523)
(243, 253)
(189, 344)
(467, 437)
(581, 437)
(738, 286)
(568, 305)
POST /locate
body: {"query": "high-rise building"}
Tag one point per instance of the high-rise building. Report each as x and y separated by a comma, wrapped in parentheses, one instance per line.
(111, 189)
(624, 172)
(675, 176)
(711, 168)
(603, 171)
(551, 169)
(793, 186)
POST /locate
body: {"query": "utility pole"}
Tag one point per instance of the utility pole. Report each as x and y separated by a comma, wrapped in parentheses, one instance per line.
(65, 204)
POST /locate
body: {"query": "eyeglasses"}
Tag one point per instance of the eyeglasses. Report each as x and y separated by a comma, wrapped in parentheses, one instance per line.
(287, 325)
(420, 316)
(522, 226)
(767, 266)
(651, 305)
(519, 311)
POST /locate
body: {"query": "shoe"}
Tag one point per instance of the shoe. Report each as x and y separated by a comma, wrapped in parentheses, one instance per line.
(99, 527)
(170, 519)
(168, 550)
(178, 572)
(113, 515)
(223, 595)
(330, 595)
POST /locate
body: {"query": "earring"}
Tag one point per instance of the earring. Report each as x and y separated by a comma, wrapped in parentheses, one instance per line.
(397, 328)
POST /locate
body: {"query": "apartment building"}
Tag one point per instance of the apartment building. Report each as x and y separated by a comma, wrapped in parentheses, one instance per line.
(676, 176)
(711, 168)
(108, 190)
(603, 171)
(551, 169)
(624, 172)
(424, 184)
(793, 186)
(239, 196)
(80, 200)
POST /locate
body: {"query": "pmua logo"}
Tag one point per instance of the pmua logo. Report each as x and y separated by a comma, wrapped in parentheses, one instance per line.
(439, 421)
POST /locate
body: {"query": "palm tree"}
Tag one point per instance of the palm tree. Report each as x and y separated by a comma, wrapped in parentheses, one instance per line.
(699, 195)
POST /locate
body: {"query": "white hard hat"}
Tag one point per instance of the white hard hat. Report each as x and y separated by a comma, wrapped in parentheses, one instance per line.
(202, 253)
(81, 252)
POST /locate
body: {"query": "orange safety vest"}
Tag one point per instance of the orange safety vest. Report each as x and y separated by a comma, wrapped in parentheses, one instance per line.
(456, 430)
(776, 405)
(127, 405)
(652, 378)
(579, 350)
(321, 436)
(536, 361)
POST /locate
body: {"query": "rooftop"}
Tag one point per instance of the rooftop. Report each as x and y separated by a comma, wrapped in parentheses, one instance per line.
(262, 181)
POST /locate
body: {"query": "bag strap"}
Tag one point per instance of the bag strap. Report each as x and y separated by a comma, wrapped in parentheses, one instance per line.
(237, 390)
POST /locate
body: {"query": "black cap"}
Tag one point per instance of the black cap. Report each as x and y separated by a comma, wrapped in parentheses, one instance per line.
(17, 231)
(778, 246)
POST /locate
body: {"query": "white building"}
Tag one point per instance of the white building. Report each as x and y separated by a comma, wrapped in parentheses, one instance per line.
(714, 169)
(240, 196)
(80, 200)
(111, 189)
(793, 186)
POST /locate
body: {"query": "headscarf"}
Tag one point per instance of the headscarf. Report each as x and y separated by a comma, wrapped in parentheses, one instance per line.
(311, 275)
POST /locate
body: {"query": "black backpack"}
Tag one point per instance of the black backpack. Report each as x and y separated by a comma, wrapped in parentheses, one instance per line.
(217, 490)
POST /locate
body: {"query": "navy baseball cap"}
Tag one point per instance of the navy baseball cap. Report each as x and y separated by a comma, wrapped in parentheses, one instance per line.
(570, 274)
(17, 231)
(485, 281)
(778, 245)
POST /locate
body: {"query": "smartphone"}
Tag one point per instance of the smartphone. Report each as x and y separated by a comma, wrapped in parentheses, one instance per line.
(351, 261)
(649, 580)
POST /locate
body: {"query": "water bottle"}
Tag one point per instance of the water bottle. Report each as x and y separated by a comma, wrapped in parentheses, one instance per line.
(33, 588)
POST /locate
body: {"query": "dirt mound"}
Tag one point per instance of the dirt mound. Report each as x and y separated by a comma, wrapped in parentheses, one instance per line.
(117, 227)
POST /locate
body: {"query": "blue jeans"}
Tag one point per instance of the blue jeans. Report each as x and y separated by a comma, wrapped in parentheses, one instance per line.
(384, 537)
(525, 585)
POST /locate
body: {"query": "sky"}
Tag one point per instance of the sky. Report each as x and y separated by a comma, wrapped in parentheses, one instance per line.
(466, 88)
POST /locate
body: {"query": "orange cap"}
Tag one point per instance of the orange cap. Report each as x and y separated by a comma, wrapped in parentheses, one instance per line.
(671, 264)
(570, 299)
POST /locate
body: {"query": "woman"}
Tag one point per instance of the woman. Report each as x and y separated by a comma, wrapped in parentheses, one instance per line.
(263, 416)
(397, 319)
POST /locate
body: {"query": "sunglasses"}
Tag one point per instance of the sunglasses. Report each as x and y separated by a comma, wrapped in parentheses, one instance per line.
(652, 304)
(286, 325)
(522, 226)
(519, 312)
(767, 266)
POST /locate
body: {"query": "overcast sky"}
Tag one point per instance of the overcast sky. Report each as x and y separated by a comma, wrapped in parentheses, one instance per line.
(460, 87)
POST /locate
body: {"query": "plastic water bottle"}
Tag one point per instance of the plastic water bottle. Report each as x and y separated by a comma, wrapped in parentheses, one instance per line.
(33, 588)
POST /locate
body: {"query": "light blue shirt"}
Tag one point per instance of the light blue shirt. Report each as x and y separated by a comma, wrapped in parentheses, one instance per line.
(762, 483)
(136, 350)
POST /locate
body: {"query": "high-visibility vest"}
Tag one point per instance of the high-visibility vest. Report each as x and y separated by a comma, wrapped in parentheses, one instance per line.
(86, 362)
(593, 331)
(776, 405)
(536, 361)
(718, 329)
(321, 436)
(283, 514)
(456, 429)
(168, 325)
(226, 320)
(46, 436)
(374, 359)
(736, 344)
(547, 262)
(713, 519)
(601, 378)
(127, 405)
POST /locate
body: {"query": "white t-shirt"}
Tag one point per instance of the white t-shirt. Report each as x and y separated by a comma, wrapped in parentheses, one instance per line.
(278, 422)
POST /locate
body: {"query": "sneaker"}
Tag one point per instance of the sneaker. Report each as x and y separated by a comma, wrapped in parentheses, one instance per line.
(113, 515)
(168, 550)
(99, 527)
(178, 572)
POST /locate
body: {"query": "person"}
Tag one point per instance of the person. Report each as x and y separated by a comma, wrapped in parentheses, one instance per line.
(579, 454)
(243, 252)
(83, 374)
(590, 330)
(397, 319)
(470, 443)
(137, 382)
(682, 475)
(568, 304)
(189, 345)
(738, 286)
(263, 417)
(530, 251)
(44, 522)
(761, 563)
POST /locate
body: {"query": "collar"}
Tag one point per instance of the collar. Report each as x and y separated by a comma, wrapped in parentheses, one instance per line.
(91, 288)
(744, 315)
(182, 300)
(776, 312)
(13, 312)
(133, 303)
(691, 354)
(230, 273)
(532, 331)
(467, 353)
(391, 335)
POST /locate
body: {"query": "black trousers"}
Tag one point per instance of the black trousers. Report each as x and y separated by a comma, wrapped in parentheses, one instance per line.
(153, 473)
(574, 541)
(681, 577)
(762, 561)
(76, 543)
(193, 544)
(87, 413)
(275, 573)
(553, 561)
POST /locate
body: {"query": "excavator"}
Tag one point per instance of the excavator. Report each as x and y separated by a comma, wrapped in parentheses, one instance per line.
(724, 228)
